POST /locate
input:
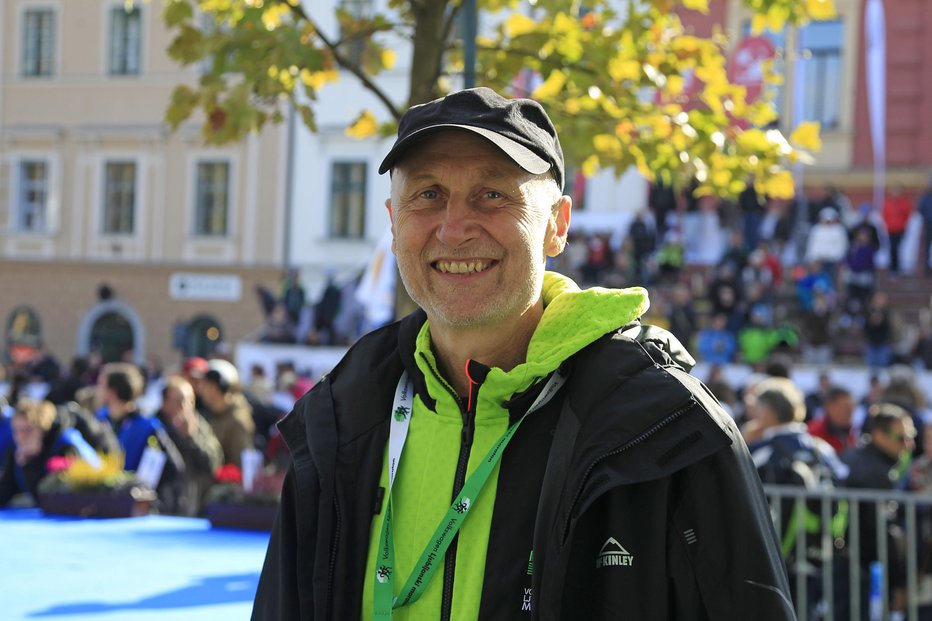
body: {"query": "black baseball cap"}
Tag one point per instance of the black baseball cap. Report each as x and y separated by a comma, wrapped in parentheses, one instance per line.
(519, 127)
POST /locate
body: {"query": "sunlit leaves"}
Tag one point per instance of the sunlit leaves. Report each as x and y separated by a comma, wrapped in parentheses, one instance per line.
(365, 125)
(625, 82)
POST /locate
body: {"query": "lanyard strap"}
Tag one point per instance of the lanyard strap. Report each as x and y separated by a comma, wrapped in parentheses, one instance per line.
(416, 584)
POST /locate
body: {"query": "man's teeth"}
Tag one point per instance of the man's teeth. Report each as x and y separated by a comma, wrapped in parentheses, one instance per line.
(462, 267)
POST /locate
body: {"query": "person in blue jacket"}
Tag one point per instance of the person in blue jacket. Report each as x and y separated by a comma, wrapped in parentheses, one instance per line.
(121, 385)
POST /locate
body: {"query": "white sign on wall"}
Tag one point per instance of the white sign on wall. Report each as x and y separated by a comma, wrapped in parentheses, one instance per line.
(213, 287)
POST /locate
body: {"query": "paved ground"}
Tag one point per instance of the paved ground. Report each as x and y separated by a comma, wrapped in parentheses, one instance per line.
(137, 569)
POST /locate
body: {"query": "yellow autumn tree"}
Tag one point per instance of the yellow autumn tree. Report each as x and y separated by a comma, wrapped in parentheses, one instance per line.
(612, 78)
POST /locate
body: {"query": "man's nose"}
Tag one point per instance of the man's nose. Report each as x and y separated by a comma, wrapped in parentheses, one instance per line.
(459, 224)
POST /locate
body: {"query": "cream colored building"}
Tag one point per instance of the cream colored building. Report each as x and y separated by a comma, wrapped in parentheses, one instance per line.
(97, 196)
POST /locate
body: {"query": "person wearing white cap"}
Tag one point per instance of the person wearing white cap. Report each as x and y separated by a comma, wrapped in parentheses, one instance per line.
(228, 412)
(828, 240)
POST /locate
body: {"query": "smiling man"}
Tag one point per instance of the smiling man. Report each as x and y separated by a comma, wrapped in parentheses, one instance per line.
(519, 448)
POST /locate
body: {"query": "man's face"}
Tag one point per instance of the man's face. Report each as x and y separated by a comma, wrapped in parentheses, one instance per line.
(28, 439)
(472, 230)
(840, 410)
(896, 441)
(177, 402)
(178, 406)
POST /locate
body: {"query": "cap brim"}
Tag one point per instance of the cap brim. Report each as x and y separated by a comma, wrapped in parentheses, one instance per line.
(518, 153)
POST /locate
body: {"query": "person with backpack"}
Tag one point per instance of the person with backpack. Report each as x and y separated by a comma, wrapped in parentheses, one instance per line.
(788, 454)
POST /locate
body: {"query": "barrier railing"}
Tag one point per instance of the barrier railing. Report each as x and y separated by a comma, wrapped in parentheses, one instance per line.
(821, 534)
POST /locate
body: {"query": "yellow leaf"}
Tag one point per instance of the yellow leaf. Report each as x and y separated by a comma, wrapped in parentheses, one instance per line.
(551, 86)
(316, 79)
(273, 14)
(518, 24)
(621, 69)
(758, 24)
(388, 58)
(806, 136)
(697, 5)
(821, 9)
(753, 141)
(365, 126)
(776, 17)
(590, 166)
(779, 185)
(721, 178)
(675, 84)
(606, 143)
(762, 114)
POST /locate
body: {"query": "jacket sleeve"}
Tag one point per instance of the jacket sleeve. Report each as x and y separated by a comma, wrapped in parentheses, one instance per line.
(724, 540)
(281, 596)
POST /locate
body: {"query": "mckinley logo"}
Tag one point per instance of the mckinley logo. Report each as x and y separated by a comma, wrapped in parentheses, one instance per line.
(612, 554)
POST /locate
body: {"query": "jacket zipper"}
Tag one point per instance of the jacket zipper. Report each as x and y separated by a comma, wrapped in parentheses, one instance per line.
(624, 447)
(459, 479)
(333, 557)
(449, 562)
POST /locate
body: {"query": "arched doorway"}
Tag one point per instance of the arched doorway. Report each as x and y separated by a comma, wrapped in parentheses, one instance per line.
(113, 328)
(23, 334)
(202, 336)
(112, 336)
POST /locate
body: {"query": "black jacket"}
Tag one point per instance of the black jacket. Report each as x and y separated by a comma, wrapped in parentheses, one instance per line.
(645, 507)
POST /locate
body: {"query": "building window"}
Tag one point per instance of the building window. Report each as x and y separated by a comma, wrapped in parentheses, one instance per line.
(348, 199)
(821, 43)
(119, 198)
(353, 45)
(125, 40)
(212, 198)
(32, 207)
(38, 42)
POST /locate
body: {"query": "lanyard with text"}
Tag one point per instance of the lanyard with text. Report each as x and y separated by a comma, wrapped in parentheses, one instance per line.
(402, 409)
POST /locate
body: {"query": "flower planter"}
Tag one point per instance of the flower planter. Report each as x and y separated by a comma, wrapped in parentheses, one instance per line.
(125, 504)
(241, 516)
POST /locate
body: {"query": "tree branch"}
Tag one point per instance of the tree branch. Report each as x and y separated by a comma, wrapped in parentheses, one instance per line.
(345, 63)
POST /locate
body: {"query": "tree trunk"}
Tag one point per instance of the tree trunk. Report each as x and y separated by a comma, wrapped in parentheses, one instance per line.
(428, 49)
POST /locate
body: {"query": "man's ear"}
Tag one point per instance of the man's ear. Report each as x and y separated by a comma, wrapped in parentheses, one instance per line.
(391, 217)
(558, 227)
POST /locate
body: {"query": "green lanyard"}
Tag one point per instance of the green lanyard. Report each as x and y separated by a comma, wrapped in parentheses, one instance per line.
(415, 585)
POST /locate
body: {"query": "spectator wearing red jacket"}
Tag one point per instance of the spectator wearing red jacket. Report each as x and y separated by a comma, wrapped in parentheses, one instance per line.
(834, 425)
(897, 208)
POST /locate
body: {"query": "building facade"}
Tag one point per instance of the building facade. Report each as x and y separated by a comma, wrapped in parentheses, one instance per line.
(825, 70)
(116, 234)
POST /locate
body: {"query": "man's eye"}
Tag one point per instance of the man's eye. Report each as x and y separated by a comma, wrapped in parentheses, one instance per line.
(429, 194)
(493, 194)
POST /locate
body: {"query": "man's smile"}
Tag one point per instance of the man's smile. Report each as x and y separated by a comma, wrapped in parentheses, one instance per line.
(470, 266)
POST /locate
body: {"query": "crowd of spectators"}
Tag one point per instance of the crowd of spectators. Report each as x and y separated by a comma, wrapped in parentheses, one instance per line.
(200, 419)
(739, 281)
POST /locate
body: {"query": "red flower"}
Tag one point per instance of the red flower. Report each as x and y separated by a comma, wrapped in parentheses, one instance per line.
(228, 473)
(58, 464)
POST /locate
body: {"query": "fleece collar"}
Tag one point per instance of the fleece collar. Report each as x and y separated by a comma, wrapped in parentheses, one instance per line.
(573, 318)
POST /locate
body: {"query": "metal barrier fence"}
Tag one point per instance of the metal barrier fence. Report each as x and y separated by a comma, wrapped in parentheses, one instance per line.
(821, 535)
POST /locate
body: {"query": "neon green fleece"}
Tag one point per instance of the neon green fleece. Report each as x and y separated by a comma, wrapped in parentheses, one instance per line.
(422, 492)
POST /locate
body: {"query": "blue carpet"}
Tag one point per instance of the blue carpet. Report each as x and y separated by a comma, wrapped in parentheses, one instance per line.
(156, 567)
